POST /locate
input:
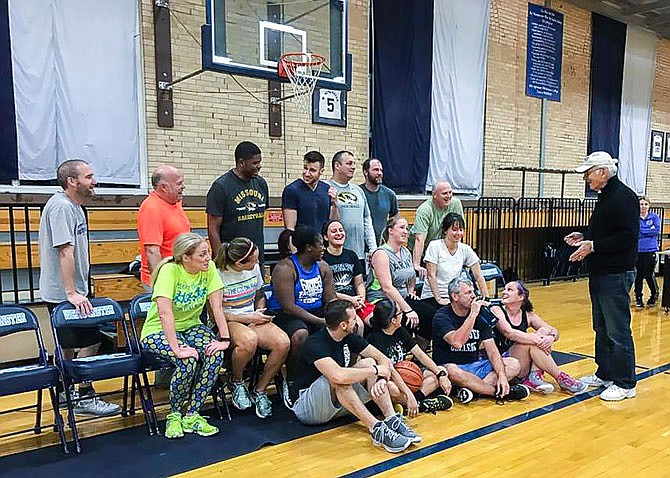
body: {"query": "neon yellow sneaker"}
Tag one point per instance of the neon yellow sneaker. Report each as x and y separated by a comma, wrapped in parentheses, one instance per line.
(173, 426)
(194, 423)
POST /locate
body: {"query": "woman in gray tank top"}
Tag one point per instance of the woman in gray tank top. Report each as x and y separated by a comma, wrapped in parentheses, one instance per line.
(394, 277)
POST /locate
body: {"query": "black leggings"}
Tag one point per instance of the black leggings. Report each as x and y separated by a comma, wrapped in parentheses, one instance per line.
(646, 263)
(426, 312)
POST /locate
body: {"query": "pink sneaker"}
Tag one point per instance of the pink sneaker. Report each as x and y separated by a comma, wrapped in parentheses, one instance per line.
(571, 385)
(535, 383)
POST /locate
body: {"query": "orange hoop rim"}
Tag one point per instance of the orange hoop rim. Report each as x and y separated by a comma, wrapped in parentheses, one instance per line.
(316, 59)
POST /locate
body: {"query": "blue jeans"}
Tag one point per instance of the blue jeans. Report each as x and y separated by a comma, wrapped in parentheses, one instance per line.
(610, 305)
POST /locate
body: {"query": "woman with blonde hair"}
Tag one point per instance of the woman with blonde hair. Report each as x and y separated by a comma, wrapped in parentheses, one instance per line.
(249, 326)
(182, 284)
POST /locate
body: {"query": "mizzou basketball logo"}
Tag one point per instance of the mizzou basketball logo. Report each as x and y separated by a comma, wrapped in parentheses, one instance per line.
(347, 198)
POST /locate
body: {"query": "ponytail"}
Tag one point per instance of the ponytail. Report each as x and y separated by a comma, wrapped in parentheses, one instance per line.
(383, 313)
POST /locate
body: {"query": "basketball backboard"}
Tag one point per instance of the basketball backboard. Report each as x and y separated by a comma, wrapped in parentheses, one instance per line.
(247, 37)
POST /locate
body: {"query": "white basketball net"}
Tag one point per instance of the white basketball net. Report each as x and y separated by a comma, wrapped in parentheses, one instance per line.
(302, 71)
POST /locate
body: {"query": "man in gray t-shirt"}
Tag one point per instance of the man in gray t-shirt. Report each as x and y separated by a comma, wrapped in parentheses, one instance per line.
(64, 270)
(382, 201)
(352, 206)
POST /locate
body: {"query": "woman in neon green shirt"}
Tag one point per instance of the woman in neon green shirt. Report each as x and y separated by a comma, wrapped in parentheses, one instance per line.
(181, 286)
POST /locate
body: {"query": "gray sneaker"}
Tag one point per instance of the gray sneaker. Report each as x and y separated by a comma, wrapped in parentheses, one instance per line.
(62, 399)
(241, 396)
(286, 394)
(263, 405)
(594, 381)
(97, 407)
(392, 442)
(397, 424)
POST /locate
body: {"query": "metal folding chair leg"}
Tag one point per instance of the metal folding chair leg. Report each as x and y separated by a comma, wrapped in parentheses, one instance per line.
(58, 419)
(38, 413)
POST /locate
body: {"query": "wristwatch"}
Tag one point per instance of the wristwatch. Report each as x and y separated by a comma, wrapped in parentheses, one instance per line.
(442, 373)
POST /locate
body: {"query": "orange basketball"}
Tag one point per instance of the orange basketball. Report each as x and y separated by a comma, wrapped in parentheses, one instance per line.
(411, 374)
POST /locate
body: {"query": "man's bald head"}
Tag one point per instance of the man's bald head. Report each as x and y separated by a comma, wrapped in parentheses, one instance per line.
(442, 194)
(168, 182)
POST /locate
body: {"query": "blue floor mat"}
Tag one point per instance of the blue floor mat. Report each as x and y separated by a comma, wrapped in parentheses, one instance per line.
(132, 452)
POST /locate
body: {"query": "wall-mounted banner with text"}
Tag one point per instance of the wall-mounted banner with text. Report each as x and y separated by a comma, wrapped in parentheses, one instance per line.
(544, 53)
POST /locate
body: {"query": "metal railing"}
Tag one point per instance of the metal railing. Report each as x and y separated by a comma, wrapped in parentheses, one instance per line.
(524, 237)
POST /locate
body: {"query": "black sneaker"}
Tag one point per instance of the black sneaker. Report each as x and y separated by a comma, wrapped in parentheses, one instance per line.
(436, 404)
(517, 392)
(393, 442)
(463, 395)
(639, 304)
(651, 302)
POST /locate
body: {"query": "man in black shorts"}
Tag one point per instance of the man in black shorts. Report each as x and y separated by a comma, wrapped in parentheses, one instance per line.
(329, 385)
(458, 332)
(64, 271)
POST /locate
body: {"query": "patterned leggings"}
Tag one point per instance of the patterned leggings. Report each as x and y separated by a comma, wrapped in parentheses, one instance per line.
(192, 379)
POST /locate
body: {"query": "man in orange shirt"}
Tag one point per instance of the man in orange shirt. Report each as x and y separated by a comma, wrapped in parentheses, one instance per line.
(161, 219)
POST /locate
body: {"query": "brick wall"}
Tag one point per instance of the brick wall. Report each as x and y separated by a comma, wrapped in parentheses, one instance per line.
(213, 114)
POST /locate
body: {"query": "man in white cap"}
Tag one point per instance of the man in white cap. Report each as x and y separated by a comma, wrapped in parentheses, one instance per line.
(610, 248)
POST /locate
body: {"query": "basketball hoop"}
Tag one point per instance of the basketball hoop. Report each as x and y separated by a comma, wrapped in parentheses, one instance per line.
(302, 71)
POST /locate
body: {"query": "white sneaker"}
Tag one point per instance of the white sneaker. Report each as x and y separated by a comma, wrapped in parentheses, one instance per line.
(614, 393)
(595, 381)
(96, 406)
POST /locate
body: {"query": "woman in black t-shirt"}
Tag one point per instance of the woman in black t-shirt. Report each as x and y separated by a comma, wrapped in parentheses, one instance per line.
(347, 269)
(395, 342)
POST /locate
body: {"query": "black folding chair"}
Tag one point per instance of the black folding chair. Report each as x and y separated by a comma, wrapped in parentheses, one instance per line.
(139, 306)
(99, 367)
(31, 377)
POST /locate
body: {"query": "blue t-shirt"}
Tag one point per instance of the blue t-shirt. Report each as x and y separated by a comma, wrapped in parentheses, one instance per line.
(307, 290)
(383, 204)
(313, 207)
(445, 321)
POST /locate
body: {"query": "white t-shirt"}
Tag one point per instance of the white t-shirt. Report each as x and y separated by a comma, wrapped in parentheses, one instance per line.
(239, 290)
(448, 266)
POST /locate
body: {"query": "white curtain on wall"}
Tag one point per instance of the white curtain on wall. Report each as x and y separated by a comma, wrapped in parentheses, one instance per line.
(76, 85)
(460, 44)
(636, 97)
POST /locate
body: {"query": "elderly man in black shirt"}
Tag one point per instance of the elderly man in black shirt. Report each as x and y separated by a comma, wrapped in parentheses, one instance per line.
(610, 248)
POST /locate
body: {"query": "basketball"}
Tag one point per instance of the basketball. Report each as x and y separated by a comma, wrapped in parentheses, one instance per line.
(411, 374)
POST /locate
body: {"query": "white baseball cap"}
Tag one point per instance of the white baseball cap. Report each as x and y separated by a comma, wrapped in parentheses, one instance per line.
(597, 158)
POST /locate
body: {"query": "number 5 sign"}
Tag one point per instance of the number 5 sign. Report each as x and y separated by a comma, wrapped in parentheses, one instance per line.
(329, 107)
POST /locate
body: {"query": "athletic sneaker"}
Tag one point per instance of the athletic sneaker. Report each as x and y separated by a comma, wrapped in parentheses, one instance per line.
(570, 384)
(194, 423)
(651, 302)
(97, 407)
(241, 396)
(263, 405)
(286, 394)
(536, 384)
(392, 442)
(517, 392)
(173, 427)
(639, 304)
(614, 393)
(464, 395)
(436, 404)
(397, 424)
(594, 381)
(62, 399)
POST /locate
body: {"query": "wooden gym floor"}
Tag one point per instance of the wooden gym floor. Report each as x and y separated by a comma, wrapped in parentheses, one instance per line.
(555, 435)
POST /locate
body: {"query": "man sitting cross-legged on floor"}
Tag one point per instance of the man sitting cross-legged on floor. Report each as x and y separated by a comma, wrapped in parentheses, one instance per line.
(458, 332)
(329, 385)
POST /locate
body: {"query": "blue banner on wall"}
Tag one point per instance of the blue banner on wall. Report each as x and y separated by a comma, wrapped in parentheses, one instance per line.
(544, 53)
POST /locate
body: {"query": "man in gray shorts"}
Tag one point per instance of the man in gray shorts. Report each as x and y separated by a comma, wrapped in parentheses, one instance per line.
(329, 385)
